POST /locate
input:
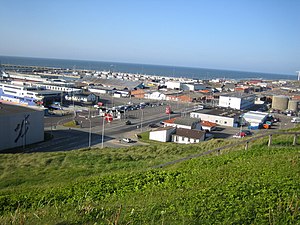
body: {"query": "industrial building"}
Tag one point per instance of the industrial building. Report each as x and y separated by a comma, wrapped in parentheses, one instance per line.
(20, 126)
(282, 103)
(185, 86)
(237, 101)
(254, 118)
(225, 117)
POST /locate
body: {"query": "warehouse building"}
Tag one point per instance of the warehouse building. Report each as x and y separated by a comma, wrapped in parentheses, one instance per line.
(20, 126)
(225, 117)
(255, 118)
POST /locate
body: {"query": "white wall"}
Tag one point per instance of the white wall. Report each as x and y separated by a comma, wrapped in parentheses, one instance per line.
(161, 135)
(173, 84)
(225, 121)
(185, 140)
(231, 102)
(11, 127)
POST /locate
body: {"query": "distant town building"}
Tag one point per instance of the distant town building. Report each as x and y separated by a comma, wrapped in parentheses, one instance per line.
(237, 101)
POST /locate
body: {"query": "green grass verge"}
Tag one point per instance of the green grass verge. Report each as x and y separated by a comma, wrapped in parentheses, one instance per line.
(120, 186)
(72, 123)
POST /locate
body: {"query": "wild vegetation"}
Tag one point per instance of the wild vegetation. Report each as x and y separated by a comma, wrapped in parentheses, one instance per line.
(121, 186)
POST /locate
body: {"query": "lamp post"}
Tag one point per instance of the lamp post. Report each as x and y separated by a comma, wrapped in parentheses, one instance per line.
(142, 117)
(102, 139)
(90, 131)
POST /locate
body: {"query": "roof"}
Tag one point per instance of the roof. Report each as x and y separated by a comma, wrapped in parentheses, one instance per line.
(6, 109)
(208, 124)
(237, 95)
(223, 112)
(164, 128)
(189, 133)
(117, 83)
(253, 115)
(186, 121)
(46, 92)
(183, 121)
(172, 120)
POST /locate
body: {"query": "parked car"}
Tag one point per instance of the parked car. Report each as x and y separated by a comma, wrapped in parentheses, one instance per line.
(239, 135)
(128, 122)
(127, 140)
(247, 132)
(153, 125)
(296, 120)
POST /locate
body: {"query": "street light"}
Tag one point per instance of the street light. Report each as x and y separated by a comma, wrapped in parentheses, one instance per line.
(90, 131)
(142, 117)
(102, 131)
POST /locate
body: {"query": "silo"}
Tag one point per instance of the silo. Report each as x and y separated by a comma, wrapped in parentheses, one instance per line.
(280, 102)
(293, 105)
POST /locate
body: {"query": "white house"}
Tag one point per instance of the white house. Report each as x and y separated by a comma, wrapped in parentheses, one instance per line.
(186, 123)
(187, 136)
(156, 96)
(162, 134)
(81, 97)
(209, 126)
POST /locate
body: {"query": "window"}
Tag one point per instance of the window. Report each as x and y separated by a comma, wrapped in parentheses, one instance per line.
(216, 121)
(225, 122)
(182, 138)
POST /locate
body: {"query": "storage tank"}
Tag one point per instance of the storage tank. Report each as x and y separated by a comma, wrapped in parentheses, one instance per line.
(280, 102)
(293, 105)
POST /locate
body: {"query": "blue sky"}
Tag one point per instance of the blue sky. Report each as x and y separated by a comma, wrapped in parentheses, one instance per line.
(252, 35)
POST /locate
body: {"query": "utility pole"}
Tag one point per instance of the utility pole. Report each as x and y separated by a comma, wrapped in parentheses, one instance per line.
(142, 117)
(90, 131)
(103, 119)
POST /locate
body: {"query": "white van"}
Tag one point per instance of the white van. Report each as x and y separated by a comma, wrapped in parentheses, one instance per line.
(296, 120)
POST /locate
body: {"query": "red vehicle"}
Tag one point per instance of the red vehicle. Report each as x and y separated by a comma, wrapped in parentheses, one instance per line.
(240, 135)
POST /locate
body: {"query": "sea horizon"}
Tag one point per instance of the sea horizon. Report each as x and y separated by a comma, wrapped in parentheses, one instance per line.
(148, 69)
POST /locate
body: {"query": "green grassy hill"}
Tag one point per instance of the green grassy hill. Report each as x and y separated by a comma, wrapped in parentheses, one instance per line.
(120, 186)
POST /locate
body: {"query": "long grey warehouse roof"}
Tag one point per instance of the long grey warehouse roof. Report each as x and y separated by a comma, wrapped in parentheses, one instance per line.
(6, 109)
(226, 112)
(118, 83)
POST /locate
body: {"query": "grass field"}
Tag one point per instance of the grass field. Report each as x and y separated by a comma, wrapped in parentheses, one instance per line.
(120, 186)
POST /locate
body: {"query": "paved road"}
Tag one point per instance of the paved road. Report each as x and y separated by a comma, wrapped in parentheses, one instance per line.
(66, 139)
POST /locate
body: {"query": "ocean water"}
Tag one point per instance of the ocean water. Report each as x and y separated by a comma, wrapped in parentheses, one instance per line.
(172, 71)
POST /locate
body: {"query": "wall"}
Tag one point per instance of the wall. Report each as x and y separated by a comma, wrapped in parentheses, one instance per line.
(12, 129)
(161, 135)
(225, 121)
(185, 140)
(231, 102)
